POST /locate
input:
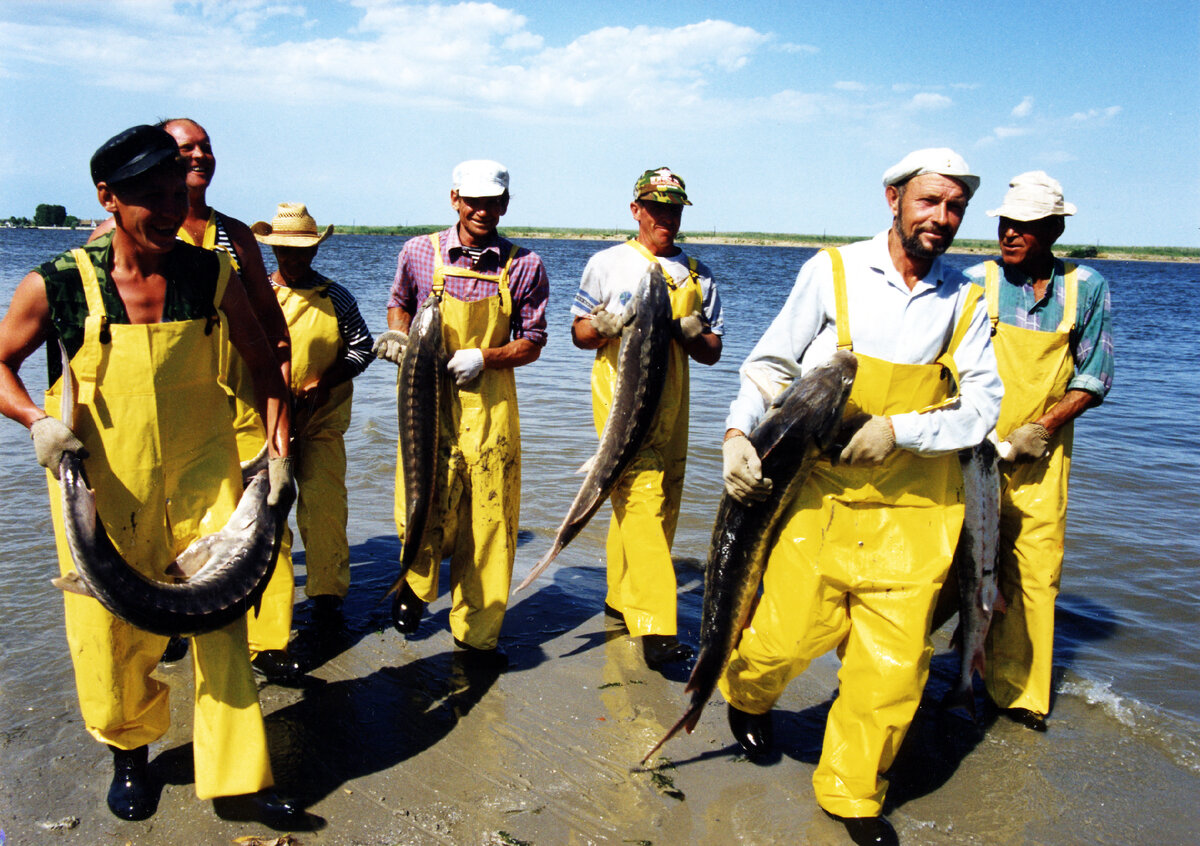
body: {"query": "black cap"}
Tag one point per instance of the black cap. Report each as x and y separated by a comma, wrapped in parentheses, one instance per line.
(131, 153)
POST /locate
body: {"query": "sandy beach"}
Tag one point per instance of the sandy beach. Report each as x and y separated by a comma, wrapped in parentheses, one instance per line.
(392, 742)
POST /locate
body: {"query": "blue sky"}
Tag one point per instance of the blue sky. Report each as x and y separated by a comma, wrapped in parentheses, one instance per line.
(781, 116)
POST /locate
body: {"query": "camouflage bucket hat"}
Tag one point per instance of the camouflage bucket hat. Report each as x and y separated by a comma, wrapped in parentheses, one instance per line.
(660, 186)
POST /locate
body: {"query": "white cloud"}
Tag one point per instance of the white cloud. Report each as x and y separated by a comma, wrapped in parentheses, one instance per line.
(928, 100)
(788, 47)
(1010, 131)
(1096, 114)
(1023, 108)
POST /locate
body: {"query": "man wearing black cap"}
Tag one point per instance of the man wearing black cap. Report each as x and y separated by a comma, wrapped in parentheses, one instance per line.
(645, 502)
(134, 312)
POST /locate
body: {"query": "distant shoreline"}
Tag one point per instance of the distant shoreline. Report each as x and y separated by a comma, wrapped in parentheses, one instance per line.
(966, 246)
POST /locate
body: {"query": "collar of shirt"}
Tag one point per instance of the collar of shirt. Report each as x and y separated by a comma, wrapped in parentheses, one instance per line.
(880, 260)
(1015, 276)
(455, 250)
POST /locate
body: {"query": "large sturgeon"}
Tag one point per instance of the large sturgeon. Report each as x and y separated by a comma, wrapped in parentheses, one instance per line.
(418, 407)
(224, 573)
(798, 428)
(975, 561)
(641, 376)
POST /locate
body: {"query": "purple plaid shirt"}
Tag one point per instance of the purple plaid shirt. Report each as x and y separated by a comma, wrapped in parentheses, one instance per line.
(527, 280)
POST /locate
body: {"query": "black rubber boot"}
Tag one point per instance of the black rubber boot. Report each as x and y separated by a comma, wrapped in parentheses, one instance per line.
(752, 731)
(407, 610)
(129, 795)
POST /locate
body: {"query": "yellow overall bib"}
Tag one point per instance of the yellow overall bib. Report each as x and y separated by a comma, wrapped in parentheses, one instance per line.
(1036, 368)
(479, 468)
(165, 472)
(318, 442)
(645, 503)
(857, 566)
(270, 626)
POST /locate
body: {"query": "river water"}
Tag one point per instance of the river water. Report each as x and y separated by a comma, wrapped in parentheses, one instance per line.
(1130, 594)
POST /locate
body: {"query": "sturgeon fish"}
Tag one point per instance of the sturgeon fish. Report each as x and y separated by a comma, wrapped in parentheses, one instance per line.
(224, 573)
(800, 426)
(641, 376)
(975, 561)
(418, 407)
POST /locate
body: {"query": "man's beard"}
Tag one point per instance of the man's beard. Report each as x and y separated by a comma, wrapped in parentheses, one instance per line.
(912, 245)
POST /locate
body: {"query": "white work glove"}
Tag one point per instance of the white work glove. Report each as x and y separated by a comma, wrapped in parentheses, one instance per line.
(51, 438)
(1028, 443)
(690, 327)
(872, 443)
(390, 345)
(607, 324)
(283, 482)
(743, 471)
(466, 365)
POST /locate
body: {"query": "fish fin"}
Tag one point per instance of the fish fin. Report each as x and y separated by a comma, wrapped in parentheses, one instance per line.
(587, 466)
(71, 583)
(67, 412)
(191, 561)
(956, 639)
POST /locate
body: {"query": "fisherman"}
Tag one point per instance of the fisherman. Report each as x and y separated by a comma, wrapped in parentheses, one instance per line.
(270, 625)
(493, 306)
(154, 430)
(330, 345)
(645, 502)
(867, 543)
(1053, 342)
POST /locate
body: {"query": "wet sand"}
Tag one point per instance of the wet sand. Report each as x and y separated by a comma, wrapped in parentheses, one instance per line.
(393, 742)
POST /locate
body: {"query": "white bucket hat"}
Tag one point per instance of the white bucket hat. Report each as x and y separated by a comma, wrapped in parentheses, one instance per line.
(941, 160)
(1032, 196)
(480, 178)
(292, 226)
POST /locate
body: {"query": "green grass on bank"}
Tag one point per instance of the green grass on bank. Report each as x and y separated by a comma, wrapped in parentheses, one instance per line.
(785, 239)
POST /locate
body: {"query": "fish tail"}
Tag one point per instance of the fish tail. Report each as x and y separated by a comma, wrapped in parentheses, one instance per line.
(960, 701)
(539, 567)
(688, 721)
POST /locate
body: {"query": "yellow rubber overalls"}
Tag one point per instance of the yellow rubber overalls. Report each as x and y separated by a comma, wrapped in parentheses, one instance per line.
(1036, 368)
(479, 468)
(318, 443)
(645, 503)
(857, 566)
(270, 625)
(165, 472)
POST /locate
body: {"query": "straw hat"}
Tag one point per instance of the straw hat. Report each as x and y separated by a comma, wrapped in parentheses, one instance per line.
(292, 226)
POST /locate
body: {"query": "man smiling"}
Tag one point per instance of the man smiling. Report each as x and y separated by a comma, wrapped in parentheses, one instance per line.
(1054, 349)
(866, 544)
(645, 502)
(493, 304)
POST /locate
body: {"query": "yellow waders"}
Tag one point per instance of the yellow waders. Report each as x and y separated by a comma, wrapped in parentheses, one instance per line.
(164, 468)
(857, 566)
(479, 468)
(318, 443)
(1036, 368)
(270, 626)
(645, 503)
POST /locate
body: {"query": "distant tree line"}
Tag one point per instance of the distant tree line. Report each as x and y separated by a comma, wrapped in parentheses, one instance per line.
(47, 214)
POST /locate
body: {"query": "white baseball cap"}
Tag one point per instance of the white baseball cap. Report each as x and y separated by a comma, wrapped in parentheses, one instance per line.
(1031, 196)
(480, 178)
(941, 160)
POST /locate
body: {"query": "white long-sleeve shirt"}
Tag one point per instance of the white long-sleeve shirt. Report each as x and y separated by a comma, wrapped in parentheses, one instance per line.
(887, 321)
